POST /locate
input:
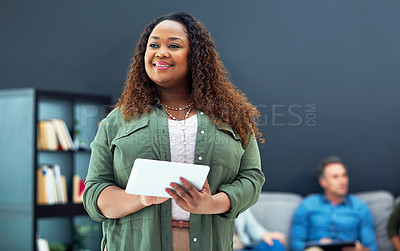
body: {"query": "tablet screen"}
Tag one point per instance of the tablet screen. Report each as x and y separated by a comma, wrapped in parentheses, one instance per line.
(151, 177)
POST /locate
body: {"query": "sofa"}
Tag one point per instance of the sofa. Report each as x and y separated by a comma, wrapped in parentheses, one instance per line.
(274, 210)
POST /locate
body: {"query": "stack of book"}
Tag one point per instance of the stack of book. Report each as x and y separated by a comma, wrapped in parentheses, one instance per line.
(51, 186)
(53, 135)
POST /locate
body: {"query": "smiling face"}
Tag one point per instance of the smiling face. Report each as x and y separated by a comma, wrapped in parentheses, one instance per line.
(166, 56)
(335, 181)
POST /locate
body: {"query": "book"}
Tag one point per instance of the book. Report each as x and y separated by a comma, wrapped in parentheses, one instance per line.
(78, 188)
(51, 186)
(41, 190)
(42, 245)
(51, 189)
(59, 185)
(60, 134)
(41, 142)
(64, 185)
(66, 133)
(53, 135)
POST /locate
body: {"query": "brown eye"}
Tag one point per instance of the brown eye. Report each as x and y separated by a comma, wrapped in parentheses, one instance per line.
(174, 46)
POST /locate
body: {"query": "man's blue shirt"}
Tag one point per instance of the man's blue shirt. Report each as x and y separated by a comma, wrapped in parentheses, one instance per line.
(316, 218)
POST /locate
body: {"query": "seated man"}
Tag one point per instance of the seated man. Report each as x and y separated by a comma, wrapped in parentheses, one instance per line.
(393, 227)
(333, 216)
(250, 235)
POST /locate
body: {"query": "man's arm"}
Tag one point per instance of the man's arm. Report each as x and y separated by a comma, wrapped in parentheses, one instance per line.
(298, 235)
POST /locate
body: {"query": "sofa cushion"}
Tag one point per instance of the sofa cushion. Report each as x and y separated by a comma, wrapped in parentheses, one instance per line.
(381, 204)
(274, 210)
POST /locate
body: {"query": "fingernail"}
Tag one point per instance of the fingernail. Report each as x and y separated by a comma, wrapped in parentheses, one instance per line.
(182, 179)
(172, 185)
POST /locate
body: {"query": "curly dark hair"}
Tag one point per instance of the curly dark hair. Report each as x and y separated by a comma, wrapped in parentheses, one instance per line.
(212, 92)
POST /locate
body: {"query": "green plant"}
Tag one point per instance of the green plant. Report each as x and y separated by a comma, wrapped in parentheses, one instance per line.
(55, 246)
(82, 234)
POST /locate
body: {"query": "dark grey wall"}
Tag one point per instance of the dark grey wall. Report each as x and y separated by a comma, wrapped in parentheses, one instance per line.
(324, 74)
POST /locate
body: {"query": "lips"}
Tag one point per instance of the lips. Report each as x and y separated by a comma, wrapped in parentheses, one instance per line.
(162, 65)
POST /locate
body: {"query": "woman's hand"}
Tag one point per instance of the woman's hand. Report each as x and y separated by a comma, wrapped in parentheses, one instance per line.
(198, 202)
(268, 237)
(150, 200)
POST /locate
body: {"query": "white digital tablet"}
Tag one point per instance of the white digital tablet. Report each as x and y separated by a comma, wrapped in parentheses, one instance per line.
(151, 177)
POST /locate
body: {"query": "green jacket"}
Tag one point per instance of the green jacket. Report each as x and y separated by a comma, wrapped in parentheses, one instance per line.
(393, 225)
(233, 170)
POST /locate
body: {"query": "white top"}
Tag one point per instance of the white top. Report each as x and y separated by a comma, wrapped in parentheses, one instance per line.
(177, 138)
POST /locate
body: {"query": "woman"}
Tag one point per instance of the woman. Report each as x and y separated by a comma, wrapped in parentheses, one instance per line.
(179, 106)
(252, 236)
(393, 227)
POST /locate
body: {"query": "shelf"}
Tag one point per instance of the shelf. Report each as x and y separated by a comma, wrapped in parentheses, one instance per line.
(21, 158)
(61, 210)
(69, 151)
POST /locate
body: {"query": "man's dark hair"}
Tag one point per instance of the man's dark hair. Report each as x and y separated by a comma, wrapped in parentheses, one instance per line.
(325, 162)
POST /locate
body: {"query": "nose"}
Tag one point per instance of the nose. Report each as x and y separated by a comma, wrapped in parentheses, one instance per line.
(162, 53)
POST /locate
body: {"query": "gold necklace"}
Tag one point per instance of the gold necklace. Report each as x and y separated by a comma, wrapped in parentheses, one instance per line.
(183, 128)
(178, 109)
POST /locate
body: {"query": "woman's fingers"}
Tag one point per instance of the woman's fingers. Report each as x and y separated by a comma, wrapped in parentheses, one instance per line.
(193, 192)
(267, 238)
(180, 201)
(150, 200)
(189, 198)
(173, 194)
(180, 191)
